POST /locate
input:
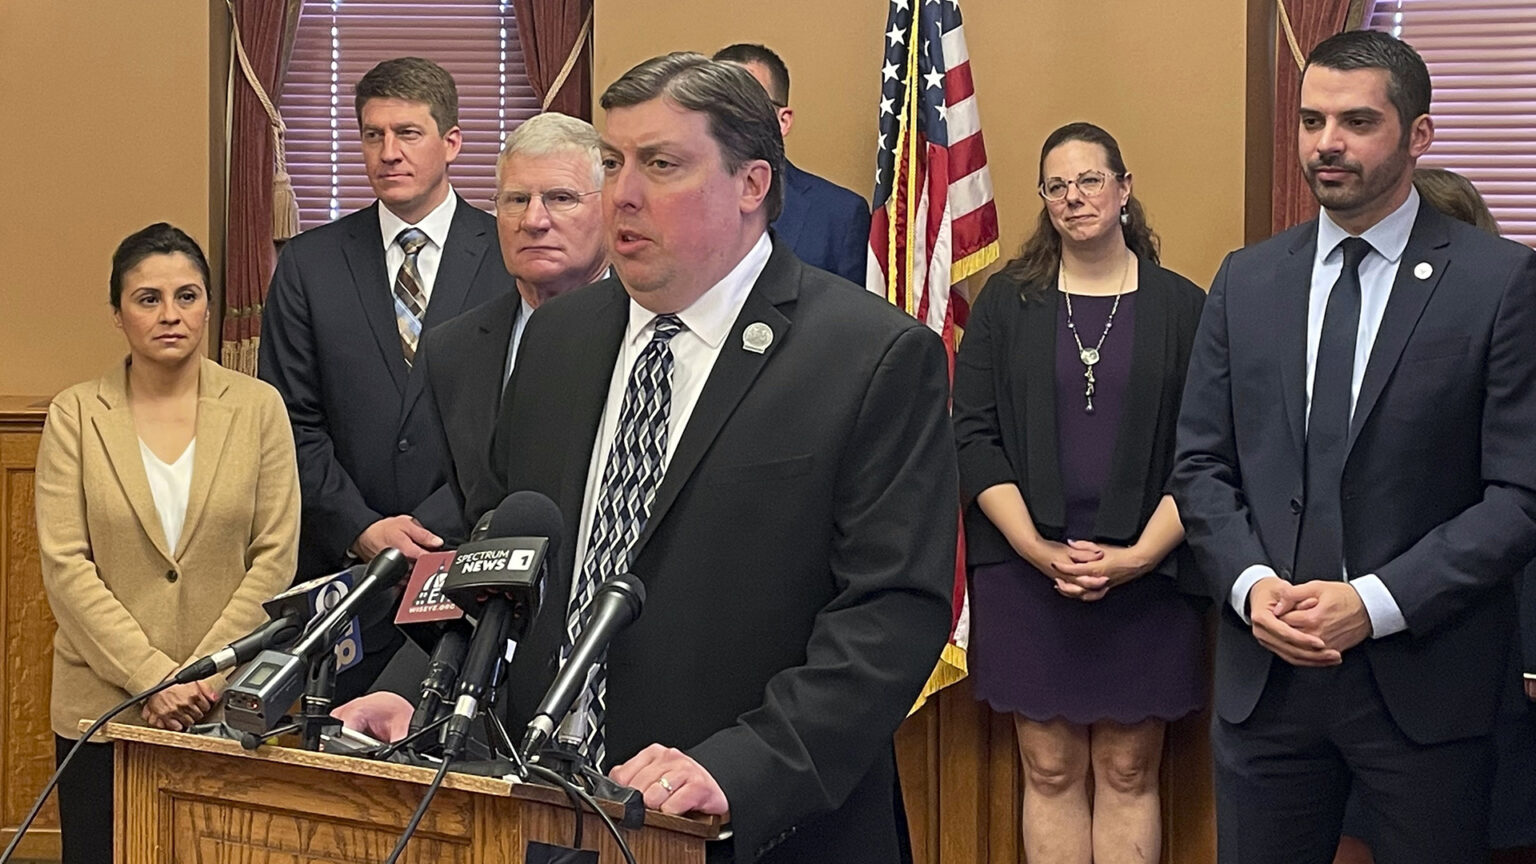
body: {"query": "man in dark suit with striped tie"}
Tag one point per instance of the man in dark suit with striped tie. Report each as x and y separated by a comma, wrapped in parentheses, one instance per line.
(342, 323)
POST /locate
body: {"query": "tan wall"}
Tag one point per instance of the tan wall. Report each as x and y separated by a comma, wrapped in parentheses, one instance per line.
(1167, 79)
(117, 112)
(107, 107)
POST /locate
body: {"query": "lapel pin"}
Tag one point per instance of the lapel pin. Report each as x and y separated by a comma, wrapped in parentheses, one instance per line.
(757, 337)
(1423, 270)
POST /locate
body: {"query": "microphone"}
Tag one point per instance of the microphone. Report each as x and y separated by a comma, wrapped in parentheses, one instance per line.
(384, 572)
(269, 685)
(311, 598)
(289, 611)
(276, 633)
(498, 580)
(615, 606)
(438, 626)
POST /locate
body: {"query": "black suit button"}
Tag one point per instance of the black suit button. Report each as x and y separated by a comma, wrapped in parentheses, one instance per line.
(1296, 506)
(1285, 574)
(171, 576)
(404, 445)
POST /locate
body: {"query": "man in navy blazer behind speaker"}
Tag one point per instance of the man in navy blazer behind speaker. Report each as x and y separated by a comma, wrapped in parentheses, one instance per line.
(1357, 483)
(825, 225)
(348, 303)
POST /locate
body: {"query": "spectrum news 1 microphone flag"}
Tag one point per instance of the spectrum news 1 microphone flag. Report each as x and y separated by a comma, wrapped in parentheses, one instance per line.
(934, 222)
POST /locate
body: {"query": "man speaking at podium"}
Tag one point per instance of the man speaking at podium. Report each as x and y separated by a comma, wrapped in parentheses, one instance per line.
(770, 453)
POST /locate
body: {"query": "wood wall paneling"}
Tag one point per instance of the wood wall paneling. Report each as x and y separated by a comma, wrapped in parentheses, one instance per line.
(962, 785)
(26, 633)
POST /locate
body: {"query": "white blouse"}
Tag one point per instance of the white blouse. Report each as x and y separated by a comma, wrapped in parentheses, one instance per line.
(171, 484)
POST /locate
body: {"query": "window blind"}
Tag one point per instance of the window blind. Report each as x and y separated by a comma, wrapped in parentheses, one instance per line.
(337, 41)
(1482, 62)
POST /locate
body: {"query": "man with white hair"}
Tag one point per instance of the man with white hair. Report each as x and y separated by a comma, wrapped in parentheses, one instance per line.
(551, 232)
(550, 225)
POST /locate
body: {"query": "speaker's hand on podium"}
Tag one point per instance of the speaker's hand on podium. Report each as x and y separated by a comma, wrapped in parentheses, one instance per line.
(384, 715)
(672, 782)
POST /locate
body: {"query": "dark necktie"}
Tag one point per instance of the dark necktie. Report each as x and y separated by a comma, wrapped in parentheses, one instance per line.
(410, 300)
(1320, 542)
(630, 478)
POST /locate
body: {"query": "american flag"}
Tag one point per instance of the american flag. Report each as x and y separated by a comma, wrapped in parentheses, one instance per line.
(933, 221)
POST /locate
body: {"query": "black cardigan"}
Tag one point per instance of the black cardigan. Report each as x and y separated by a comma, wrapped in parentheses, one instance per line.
(1005, 409)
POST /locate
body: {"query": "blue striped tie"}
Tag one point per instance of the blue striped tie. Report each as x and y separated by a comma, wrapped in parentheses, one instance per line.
(630, 477)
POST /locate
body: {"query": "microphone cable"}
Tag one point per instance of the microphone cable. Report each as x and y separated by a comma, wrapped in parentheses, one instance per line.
(53, 781)
(576, 794)
(384, 751)
(421, 810)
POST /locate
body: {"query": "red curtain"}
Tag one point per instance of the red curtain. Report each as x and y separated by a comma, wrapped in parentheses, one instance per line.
(1311, 22)
(548, 30)
(265, 31)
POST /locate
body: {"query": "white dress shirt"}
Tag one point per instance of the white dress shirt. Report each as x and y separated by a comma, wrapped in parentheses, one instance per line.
(694, 351)
(171, 485)
(518, 326)
(1378, 270)
(435, 225)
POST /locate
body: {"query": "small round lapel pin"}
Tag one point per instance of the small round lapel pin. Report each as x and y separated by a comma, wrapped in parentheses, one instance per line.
(757, 337)
(1423, 270)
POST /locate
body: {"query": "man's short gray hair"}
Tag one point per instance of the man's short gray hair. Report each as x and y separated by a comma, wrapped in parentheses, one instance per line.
(551, 133)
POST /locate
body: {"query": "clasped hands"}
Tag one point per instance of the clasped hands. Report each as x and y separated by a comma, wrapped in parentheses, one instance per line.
(1310, 624)
(178, 707)
(1086, 570)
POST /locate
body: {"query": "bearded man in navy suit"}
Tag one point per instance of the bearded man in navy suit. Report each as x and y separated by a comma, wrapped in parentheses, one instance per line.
(1356, 480)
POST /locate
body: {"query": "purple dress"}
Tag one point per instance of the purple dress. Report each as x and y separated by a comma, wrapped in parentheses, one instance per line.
(1134, 655)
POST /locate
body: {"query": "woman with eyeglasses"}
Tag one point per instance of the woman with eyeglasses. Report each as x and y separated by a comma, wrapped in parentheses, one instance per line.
(167, 509)
(1067, 389)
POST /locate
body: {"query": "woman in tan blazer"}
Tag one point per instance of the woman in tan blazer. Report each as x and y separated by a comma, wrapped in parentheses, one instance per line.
(167, 510)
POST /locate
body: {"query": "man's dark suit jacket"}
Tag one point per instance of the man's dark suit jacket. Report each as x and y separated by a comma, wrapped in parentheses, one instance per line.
(1439, 483)
(826, 225)
(463, 361)
(798, 558)
(329, 344)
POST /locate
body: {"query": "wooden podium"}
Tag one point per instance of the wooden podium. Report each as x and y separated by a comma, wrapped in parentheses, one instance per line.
(183, 799)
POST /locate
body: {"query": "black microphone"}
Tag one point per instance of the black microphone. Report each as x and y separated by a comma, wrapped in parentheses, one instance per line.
(271, 682)
(498, 580)
(277, 633)
(432, 621)
(385, 571)
(615, 606)
(312, 598)
(437, 626)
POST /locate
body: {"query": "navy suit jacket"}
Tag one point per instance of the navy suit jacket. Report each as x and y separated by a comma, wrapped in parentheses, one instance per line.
(826, 225)
(798, 558)
(463, 362)
(329, 344)
(1438, 494)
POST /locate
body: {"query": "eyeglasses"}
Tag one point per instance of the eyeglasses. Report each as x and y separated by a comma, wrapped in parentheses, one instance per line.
(1088, 183)
(514, 202)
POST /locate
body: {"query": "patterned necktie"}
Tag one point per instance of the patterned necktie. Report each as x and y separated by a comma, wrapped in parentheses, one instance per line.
(410, 300)
(1320, 540)
(630, 478)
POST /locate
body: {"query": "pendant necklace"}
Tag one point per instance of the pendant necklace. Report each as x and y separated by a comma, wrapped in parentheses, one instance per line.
(1090, 356)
